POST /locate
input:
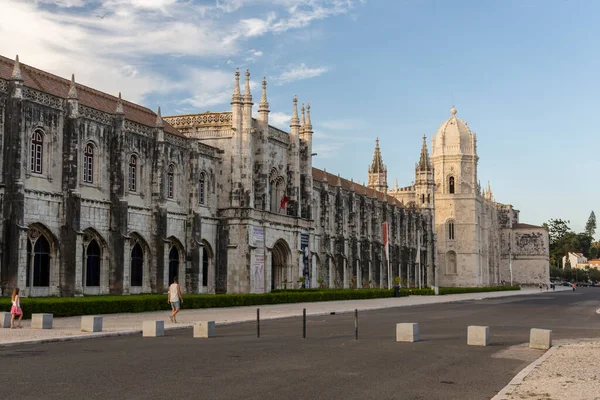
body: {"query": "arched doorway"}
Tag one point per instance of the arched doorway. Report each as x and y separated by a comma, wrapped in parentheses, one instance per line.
(173, 263)
(93, 261)
(280, 259)
(137, 265)
(205, 263)
(41, 262)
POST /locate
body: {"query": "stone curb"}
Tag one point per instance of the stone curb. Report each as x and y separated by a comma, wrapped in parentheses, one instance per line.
(517, 380)
(315, 314)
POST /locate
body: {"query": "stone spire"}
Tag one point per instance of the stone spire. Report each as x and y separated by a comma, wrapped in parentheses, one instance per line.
(72, 88)
(247, 94)
(396, 187)
(377, 165)
(237, 96)
(325, 175)
(16, 74)
(263, 106)
(119, 109)
(303, 123)
(378, 171)
(159, 120)
(295, 120)
(352, 185)
(338, 183)
(424, 161)
(308, 123)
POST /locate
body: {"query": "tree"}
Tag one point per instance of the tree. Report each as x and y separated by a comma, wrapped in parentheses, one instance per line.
(557, 228)
(590, 226)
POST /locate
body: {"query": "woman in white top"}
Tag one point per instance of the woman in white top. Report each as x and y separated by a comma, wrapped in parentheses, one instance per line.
(15, 309)
(175, 299)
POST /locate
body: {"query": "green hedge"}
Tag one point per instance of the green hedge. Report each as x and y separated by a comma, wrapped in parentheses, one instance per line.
(94, 305)
(457, 290)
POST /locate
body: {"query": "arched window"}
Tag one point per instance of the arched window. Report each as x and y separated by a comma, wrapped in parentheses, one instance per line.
(428, 199)
(41, 262)
(202, 188)
(170, 181)
(422, 199)
(173, 263)
(205, 262)
(451, 262)
(132, 173)
(137, 265)
(37, 151)
(88, 163)
(451, 185)
(451, 230)
(92, 273)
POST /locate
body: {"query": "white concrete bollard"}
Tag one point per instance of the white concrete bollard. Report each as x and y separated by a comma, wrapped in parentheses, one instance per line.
(153, 328)
(91, 323)
(478, 335)
(540, 339)
(41, 321)
(5, 319)
(204, 329)
(407, 332)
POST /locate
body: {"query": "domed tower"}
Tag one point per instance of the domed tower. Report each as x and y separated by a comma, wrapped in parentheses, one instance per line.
(424, 179)
(457, 203)
(378, 171)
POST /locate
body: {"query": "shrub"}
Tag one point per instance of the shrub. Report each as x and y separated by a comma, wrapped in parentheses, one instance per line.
(97, 305)
(457, 290)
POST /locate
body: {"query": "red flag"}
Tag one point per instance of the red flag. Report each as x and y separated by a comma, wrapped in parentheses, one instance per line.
(284, 201)
(386, 239)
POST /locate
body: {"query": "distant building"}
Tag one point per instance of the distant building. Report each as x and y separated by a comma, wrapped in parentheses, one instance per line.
(577, 260)
(594, 263)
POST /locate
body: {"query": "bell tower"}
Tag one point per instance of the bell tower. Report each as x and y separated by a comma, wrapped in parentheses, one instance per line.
(378, 171)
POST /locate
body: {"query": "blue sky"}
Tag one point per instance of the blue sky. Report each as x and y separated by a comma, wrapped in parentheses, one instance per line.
(523, 74)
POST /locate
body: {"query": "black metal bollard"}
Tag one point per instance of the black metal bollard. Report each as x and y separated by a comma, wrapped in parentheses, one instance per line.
(355, 324)
(304, 323)
(258, 322)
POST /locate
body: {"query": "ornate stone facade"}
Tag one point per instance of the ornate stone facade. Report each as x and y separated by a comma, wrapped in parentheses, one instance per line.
(100, 195)
(480, 242)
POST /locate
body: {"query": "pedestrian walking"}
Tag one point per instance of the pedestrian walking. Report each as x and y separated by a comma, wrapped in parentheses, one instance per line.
(175, 299)
(15, 310)
(574, 287)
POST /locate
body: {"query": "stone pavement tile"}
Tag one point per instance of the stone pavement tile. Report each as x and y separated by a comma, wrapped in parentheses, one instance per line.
(69, 327)
(569, 370)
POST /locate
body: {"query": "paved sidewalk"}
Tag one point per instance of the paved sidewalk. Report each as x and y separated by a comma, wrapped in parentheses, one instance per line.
(123, 324)
(569, 370)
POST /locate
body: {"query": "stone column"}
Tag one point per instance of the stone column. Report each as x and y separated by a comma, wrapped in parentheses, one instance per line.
(81, 264)
(126, 266)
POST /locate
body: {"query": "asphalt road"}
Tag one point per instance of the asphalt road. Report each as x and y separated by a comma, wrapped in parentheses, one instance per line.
(328, 364)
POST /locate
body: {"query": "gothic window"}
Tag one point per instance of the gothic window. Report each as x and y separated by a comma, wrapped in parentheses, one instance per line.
(137, 265)
(173, 263)
(428, 199)
(37, 151)
(92, 273)
(451, 185)
(41, 262)
(170, 181)
(88, 163)
(422, 199)
(451, 262)
(202, 189)
(451, 230)
(133, 167)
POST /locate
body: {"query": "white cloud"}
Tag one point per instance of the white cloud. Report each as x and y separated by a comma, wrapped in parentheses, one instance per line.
(119, 52)
(299, 72)
(280, 120)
